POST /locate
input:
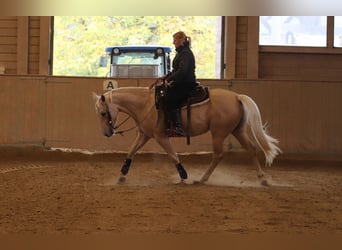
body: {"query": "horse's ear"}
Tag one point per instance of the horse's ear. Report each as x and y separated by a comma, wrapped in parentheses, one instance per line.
(95, 96)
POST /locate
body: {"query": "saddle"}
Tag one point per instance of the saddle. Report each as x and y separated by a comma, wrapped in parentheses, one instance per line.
(198, 96)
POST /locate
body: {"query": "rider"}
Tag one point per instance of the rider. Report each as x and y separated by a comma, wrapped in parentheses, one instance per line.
(181, 80)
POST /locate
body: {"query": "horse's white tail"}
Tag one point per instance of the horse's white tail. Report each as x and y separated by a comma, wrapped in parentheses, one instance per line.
(252, 119)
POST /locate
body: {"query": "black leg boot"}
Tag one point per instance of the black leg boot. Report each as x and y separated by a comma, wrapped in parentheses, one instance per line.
(177, 122)
(168, 123)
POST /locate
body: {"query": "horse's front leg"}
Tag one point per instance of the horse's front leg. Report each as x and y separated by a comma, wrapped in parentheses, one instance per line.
(139, 141)
(165, 143)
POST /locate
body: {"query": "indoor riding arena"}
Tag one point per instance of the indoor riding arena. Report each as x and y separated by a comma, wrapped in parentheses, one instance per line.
(59, 174)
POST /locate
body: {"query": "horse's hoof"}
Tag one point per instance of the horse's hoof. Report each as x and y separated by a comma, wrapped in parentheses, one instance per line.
(198, 183)
(181, 182)
(121, 180)
(264, 183)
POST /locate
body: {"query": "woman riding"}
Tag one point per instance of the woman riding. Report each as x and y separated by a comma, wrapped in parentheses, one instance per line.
(181, 80)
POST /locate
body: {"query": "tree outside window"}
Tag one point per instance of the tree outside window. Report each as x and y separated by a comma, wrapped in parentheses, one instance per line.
(79, 41)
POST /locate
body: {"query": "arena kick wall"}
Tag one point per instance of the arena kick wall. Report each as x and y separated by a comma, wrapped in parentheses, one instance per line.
(58, 112)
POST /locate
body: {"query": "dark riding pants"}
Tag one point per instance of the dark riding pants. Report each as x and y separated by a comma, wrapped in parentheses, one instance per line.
(177, 94)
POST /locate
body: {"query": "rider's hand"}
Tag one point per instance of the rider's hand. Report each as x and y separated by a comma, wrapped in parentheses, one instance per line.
(168, 84)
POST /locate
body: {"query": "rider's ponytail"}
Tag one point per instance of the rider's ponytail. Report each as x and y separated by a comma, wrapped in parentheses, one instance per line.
(187, 41)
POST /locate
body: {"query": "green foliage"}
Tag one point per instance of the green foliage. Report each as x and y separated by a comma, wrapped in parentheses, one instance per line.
(79, 41)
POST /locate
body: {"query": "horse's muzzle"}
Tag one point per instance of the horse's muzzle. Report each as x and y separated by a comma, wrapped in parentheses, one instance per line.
(109, 132)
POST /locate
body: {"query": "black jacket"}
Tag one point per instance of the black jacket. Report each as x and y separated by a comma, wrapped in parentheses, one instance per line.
(183, 67)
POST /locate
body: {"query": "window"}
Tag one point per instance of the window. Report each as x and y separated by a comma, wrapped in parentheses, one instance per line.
(79, 41)
(293, 31)
(338, 31)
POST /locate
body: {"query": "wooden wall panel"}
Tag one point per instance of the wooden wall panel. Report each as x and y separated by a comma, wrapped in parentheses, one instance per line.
(8, 57)
(253, 48)
(59, 115)
(22, 111)
(8, 22)
(241, 47)
(8, 44)
(303, 115)
(34, 45)
(300, 66)
(31, 96)
(9, 32)
(45, 43)
(230, 49)
(7, 40)
(20, 45)
(8, 49)
(308, 115)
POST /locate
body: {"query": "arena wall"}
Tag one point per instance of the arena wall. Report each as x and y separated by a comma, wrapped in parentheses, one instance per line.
(59, 112)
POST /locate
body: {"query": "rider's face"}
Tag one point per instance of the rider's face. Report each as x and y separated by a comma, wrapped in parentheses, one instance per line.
(177, 42)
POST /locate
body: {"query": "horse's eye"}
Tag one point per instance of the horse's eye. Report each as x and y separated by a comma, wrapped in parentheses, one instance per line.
(103, 114)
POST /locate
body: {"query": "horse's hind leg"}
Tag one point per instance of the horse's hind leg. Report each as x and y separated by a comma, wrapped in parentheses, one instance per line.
(139, 141)
(164, 142)
(242, 137)
(216, 157)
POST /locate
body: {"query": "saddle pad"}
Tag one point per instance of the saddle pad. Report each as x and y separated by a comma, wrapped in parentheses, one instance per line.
(198, 95)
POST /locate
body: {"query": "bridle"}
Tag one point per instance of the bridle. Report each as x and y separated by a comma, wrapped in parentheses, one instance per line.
(107, 113)
(110, 119)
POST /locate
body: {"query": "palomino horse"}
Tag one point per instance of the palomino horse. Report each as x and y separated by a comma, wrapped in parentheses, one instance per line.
(226, 112)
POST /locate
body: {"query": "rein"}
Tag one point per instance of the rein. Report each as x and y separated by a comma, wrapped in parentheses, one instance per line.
(110, 120)
(121, 123)
(153, 84)
(129, 129)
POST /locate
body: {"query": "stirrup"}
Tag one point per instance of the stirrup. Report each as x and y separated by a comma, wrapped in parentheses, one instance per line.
(179, 131)
(175, 132)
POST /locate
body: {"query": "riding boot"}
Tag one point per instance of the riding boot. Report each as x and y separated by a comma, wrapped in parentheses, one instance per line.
(177, 122)
(168, 122)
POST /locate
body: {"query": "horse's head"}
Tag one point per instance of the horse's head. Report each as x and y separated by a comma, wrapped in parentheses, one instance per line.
(107, 113)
